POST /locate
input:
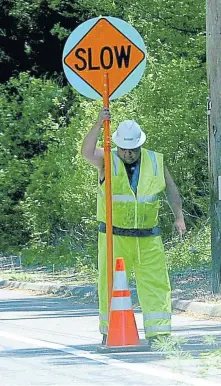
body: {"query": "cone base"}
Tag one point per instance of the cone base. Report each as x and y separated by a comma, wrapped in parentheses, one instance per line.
(119, 349)
(122, 329)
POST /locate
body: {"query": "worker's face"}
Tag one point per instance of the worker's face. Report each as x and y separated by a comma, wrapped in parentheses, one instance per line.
(128, 156)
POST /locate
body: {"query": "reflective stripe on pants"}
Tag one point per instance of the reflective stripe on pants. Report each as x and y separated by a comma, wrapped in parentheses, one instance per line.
(157, 323)
(103, 324)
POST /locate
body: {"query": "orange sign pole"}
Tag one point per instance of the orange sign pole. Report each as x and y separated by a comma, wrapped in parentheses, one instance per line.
(107, 161)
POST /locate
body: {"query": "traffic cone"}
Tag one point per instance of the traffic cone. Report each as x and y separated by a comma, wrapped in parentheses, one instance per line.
(122, 329)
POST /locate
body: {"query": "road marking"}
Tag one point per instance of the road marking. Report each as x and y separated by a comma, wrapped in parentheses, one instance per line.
(143, 368)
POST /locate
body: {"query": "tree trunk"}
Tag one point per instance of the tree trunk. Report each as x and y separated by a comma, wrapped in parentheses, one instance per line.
(214, 125)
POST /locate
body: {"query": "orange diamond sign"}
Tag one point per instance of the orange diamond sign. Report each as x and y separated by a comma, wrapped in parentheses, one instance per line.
(104, 48)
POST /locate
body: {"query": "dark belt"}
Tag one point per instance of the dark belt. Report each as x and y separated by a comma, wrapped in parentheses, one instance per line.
(130, 232)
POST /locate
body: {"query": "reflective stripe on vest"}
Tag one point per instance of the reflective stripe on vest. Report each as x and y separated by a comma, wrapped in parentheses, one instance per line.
(127, 198)
(123, 198)
(116, 161)
(122, 303)
(147, 198)
(154, 161)
(157, 315)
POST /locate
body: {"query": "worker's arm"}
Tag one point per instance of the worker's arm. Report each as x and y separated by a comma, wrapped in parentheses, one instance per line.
(174, 201)
(93, 154)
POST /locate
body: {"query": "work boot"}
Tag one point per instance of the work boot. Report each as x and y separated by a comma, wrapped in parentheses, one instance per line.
(104, 340)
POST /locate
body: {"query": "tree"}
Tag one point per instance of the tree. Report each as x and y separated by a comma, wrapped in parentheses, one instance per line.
(214, 111)
(32, 34)
(32, 111)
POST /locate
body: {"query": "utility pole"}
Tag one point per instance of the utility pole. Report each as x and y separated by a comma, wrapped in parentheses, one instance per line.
(213, 21)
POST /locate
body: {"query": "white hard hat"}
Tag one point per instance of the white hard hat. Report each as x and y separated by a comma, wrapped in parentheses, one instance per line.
(129, 135)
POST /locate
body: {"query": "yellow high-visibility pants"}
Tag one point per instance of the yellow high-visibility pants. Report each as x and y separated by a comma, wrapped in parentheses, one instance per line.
(146, 255)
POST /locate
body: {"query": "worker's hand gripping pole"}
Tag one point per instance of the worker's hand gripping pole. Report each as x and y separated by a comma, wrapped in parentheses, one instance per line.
(107, 161)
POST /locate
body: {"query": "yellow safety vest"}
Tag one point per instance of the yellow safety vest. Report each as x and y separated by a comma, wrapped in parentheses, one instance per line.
(132, 211)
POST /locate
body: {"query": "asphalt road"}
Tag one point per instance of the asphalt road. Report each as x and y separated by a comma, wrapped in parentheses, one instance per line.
(47, 340)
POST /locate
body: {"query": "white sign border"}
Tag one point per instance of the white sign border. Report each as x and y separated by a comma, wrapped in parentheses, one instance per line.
(129, 83)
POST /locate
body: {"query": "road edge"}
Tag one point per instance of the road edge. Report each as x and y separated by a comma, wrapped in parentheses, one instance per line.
(89, 292)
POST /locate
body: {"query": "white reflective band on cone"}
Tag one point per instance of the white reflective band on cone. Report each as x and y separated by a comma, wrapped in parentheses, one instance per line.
(121, 303)
(120, 281)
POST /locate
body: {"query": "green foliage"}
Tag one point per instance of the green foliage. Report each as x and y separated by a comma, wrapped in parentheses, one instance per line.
(172, 347)
(210, 361)
(29, 121)
(14, 177)
(171, 28)
(58, 199)
(171, 108)
(58, 256)
(210, 340)
(194, 251)
(67, 251)
(88, 8)
(30, 35)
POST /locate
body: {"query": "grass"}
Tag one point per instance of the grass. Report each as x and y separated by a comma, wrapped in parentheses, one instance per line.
(206, 363)
(69, 276)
